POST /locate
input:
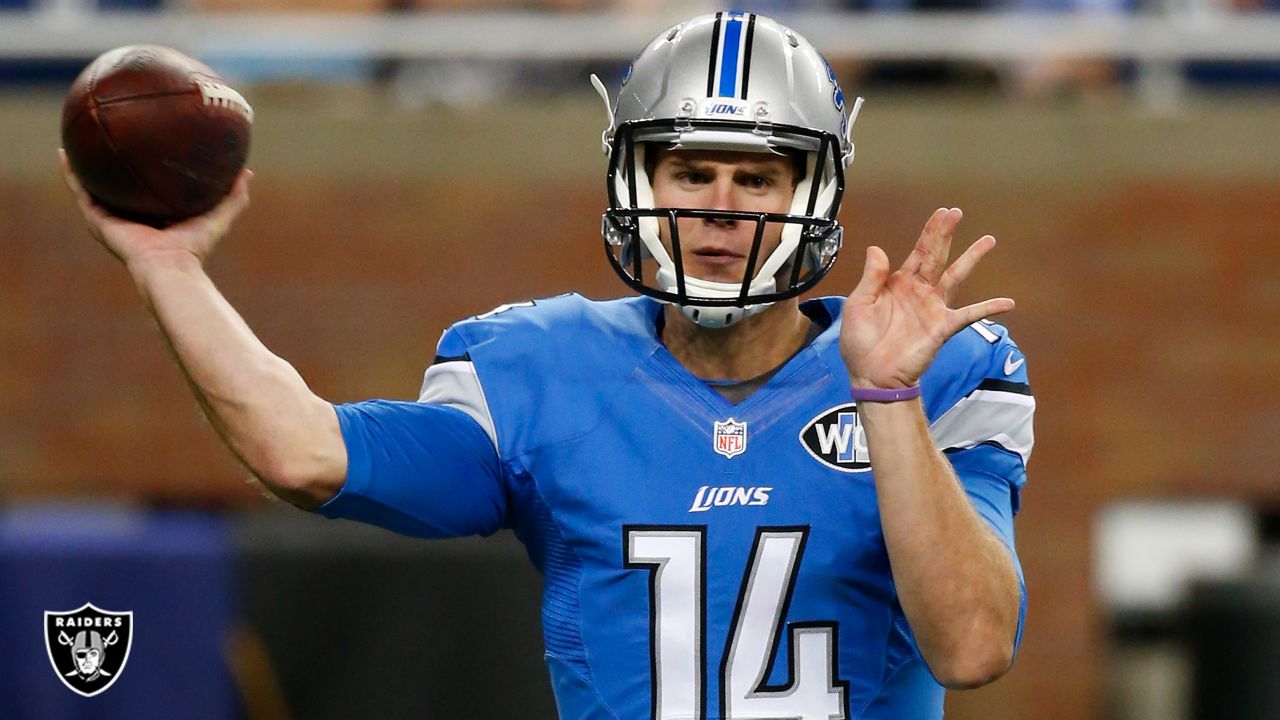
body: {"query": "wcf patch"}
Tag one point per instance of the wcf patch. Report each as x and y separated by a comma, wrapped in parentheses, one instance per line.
(837, 439)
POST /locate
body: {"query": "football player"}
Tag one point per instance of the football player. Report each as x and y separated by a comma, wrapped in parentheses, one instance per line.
(744, 506)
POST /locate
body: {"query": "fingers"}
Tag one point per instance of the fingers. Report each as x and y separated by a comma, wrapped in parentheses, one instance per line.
(68, 176)
(94, 215)
(929, 257)
(875, 271)
(960, 269)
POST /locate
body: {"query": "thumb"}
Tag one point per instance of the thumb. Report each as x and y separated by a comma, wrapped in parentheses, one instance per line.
(874, 273)
(218, 220)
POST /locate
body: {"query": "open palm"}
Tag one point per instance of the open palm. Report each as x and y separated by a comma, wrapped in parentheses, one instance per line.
(895, 322)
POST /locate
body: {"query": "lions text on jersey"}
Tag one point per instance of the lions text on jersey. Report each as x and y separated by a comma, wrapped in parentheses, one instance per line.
(702, 559)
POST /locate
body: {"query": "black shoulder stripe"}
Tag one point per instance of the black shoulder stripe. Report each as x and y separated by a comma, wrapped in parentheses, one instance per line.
(746, 54)
(1005, 386)
(451, 358)
(715, 42)
(989, 443)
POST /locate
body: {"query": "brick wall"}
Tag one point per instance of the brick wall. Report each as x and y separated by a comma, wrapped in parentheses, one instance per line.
(1142, 250)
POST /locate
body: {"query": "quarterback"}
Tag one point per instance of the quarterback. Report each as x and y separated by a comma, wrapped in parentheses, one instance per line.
(745, 506)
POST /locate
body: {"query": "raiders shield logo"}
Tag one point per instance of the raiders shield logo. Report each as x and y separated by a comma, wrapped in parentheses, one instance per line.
(88, 647)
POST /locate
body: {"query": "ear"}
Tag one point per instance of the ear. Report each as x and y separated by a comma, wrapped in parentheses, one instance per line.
(653, 153)
(799, 167)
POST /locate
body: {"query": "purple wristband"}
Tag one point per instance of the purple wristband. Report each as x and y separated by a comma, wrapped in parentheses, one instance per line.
(885, 395)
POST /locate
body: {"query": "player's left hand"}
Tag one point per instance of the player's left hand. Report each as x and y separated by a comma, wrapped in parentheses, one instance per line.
(894, 323)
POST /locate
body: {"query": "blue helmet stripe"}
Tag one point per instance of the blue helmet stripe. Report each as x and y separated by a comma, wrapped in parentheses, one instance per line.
(729, 45)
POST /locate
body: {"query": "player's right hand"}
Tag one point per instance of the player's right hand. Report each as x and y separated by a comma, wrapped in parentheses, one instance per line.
(133, 243)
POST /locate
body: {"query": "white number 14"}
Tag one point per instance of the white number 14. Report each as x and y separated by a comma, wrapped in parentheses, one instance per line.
(676, 559)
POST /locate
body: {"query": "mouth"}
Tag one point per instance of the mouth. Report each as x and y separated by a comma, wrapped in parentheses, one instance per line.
(717, 256)
(715, 265)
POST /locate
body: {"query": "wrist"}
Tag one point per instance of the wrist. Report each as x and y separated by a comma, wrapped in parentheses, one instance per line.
(153, 261)
(155, 269)
(863, 392)
(858, 381)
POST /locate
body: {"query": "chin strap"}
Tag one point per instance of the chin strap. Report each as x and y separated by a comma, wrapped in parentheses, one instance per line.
(720, 317)
(848, 134)
(606, 136)
(716, 316)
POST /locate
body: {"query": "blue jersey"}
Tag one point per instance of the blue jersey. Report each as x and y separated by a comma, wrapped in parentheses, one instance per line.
(702, 559)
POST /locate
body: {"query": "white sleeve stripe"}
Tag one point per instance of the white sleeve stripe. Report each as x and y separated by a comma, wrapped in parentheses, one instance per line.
(986, 416)
(455, 384)
(986, 334)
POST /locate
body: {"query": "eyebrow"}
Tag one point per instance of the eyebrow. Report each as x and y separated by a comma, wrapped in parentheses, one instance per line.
(753, 167)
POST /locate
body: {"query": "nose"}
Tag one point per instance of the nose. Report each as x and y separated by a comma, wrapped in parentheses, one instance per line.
(723, 197)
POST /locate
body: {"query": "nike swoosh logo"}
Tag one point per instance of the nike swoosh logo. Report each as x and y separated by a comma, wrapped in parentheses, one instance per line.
(1010, 367)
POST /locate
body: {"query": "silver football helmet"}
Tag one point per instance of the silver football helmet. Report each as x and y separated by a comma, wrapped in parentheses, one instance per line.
(727, 81)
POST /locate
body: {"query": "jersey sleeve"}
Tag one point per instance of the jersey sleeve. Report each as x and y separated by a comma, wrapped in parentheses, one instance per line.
(452, 381)
(430, 468)
(981, 417)
(418, 469)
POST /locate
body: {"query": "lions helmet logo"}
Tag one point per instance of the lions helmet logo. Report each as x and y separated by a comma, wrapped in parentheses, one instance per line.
(88, 647)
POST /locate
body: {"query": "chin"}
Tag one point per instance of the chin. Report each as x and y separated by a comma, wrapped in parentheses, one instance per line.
(728, 271)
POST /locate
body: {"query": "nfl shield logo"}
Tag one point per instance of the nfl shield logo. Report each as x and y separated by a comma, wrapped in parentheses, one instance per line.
(730, 438)
(88, 647)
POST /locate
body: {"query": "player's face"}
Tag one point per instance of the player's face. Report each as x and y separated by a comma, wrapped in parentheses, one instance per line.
(87, 661)
(715, 249)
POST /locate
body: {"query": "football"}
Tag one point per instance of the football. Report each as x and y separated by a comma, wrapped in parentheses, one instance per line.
(153, 135)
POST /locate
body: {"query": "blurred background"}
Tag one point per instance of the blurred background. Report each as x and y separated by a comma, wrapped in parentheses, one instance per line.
(418, 161)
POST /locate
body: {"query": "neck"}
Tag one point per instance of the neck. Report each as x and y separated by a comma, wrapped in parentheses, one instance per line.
(749, 347)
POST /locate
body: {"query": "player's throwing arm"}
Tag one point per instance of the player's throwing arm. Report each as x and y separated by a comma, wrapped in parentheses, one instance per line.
(287, 436)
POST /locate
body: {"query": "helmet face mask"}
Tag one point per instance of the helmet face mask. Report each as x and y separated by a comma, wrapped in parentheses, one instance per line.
(793, 106)
(805, 253)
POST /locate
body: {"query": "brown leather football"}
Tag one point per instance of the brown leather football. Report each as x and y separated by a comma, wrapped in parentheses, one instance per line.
(154, 135)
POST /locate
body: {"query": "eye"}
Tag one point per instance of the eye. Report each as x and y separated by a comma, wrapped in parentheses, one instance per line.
(758, 182)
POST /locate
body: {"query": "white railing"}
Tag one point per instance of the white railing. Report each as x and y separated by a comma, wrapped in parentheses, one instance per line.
(62, 28)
